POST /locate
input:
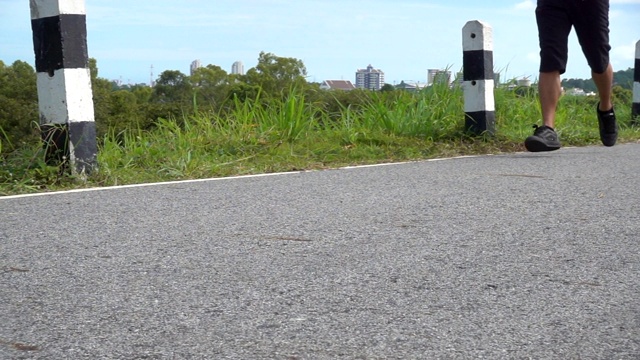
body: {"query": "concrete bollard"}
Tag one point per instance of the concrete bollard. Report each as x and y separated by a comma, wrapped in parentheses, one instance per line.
(64, 83)
(635, 107)
(478, 78)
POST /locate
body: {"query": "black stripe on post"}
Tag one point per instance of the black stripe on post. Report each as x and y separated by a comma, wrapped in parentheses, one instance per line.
(82, 139)
(60, 42)
(476, 122)
(64, 83)
(478, 84)
(477, 65)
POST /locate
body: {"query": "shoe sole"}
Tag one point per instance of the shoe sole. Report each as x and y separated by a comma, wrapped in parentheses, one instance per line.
(534, 145)
(609, 140)
(608, 143)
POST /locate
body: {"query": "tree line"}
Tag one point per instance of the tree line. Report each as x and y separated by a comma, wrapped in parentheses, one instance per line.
(622, 78)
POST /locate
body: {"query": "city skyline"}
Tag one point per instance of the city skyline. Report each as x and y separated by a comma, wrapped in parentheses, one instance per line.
(333, 38)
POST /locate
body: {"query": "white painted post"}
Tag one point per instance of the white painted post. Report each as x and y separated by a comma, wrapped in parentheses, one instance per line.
(64, 83)
(635, 107)
(478, 77)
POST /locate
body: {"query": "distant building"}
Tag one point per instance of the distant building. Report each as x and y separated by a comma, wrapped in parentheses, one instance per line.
(410, 86)
(524, 82)
(438, 76)
(578, 92)
(195, 65)
(344, 85)
(369, 78)
(237, 68)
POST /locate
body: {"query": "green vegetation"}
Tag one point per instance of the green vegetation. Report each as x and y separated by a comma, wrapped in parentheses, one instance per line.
(621, 78)
(213, 124)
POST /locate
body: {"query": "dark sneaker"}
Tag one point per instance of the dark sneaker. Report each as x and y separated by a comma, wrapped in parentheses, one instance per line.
(608, 126)
(544, 138)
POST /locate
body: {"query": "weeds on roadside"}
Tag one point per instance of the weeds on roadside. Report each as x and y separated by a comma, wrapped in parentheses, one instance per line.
(25, 170)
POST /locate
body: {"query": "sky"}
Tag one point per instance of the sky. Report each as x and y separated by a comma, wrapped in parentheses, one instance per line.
(334, 38)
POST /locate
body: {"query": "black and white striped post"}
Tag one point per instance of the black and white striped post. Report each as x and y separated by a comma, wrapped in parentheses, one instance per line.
(478, 77)
(635, 110)
(64, 83)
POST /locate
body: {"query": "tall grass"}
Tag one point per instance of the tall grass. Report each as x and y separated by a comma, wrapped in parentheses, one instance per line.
(432, 114)
(290, 118)
(279, 134)
(3, 138)
(25, 170)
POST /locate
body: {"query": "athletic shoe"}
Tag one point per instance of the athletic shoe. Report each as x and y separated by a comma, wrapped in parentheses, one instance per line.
(608, 126)
(544, 138)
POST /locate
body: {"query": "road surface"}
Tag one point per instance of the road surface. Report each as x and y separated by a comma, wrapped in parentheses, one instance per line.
(498, 257)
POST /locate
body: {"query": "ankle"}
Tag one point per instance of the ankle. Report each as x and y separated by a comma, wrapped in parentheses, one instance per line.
(605, 107)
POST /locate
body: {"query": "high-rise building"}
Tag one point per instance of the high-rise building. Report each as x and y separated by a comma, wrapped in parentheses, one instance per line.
(438, 76)
(369, 78)
(195, 65)
(237, 68)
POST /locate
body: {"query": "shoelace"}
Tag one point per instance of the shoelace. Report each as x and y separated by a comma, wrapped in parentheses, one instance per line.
(538, 129)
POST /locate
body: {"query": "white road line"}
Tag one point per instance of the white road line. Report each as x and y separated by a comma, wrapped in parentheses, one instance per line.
(223, 178)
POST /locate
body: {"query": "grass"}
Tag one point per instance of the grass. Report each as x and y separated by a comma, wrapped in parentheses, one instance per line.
(293, 134)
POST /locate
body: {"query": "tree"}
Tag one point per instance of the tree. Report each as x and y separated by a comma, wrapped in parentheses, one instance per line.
(142, 93)
(624, 78)
(18, 104)
(101, 89)
(585, 84)
(387, 87)
(277, 74)
(211, 84)
(123, 113)
(173, 86)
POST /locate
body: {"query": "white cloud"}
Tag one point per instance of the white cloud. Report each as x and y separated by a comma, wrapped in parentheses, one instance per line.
(624, 52)
(526, 5)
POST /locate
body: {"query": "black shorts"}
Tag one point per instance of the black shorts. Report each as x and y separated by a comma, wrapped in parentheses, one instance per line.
(590, 18)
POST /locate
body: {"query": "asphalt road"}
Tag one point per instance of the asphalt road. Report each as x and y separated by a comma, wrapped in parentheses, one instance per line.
(497, 257)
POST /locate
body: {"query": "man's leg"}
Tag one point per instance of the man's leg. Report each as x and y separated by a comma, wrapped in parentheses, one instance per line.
(607, 123)
(550, 89)
(554, 26)
(604, 83)
(544, 138)
(592, 28)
